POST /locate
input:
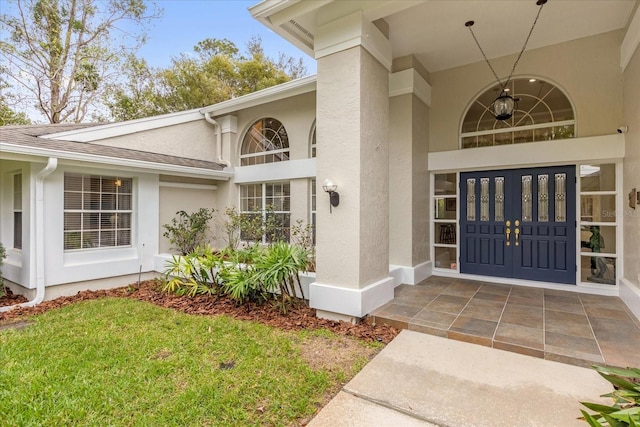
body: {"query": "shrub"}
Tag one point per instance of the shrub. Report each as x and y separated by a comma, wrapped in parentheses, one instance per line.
(302, 235)
(256, 273)
(188, 231)
(194, 274)
(3, 255)
(625, 411)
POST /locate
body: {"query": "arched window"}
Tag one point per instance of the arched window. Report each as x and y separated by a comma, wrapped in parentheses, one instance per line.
(313, 143)
(543, 113)
(266, 141)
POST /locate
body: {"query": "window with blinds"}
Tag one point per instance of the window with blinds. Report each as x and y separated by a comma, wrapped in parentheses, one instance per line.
(97, 211)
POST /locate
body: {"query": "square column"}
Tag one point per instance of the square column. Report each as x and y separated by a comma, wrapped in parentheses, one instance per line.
(353, 151)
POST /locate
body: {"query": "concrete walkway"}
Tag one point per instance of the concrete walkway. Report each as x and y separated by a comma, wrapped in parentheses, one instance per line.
(424, 380)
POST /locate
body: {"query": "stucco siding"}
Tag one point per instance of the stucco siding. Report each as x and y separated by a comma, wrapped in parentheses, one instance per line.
(193, 140)
(631, 217)
(174, 199)
(587, 69)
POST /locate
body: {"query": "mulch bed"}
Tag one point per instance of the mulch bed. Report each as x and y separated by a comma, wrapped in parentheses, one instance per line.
(296, 318)
(9, 298)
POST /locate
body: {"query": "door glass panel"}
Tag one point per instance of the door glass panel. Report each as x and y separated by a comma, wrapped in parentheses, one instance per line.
(445, 258)
(445, 233)
(543, 198)
(499, 196)
(445, 208)
(598, 269)
(526, 199)
(484, 199)
(471, 199)
(445, 184)
(561, 197)
(598, 177)
(598, 238)
(598, 208)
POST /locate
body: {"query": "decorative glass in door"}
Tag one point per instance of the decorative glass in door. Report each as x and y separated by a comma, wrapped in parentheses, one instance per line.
(523, 225)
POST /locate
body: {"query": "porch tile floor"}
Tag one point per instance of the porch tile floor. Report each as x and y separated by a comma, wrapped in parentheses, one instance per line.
(564, 326)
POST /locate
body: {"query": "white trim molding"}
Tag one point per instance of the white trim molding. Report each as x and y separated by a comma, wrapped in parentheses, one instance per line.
(348, 301)
(574, 150)
(412, 275)
(351, 31)
(410, 81)
(278, 171)
(264, 96)
(631, 41)
(125, 128)
(630, 295)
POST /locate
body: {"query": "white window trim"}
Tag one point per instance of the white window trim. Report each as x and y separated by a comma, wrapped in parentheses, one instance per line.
(263, 203)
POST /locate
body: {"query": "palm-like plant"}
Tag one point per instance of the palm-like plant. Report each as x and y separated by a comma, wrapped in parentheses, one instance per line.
(625, 411)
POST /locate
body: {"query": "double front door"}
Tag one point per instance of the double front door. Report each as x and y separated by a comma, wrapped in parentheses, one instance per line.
(519, 223)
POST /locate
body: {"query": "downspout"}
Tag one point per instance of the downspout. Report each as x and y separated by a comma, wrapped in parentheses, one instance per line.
(219, 159)
(52, 165)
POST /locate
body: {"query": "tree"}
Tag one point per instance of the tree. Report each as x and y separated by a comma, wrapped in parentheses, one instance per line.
(217, 71)
(62, 54)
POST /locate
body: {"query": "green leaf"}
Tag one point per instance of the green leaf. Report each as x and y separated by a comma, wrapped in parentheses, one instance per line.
(591, 420)
(603, 409)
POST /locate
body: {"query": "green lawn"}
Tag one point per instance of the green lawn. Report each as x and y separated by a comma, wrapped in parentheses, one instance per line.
(121, 362)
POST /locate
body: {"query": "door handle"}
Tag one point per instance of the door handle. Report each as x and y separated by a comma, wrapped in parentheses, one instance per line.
(508, 236)
(517, 231)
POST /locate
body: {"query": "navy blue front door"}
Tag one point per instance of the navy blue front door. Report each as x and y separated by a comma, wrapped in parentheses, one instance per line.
(519, 223)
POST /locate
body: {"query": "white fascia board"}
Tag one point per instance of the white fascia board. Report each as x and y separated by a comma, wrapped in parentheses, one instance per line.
(116, 161)
(409, 81)
(264, 96)
(125, 128)
(573, 150)
(279, 171)
(631, 40)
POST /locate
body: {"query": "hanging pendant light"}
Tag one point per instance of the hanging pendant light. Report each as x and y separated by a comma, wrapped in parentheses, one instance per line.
(504, 105)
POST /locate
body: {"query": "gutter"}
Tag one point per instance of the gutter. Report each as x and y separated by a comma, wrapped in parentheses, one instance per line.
(52, 165)
(219, 159)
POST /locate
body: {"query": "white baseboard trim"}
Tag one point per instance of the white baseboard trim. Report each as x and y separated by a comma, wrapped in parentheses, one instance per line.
(411, 275)
(630, 295)
(349, 301)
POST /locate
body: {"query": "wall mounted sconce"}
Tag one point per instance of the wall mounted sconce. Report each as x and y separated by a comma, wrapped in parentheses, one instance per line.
(334, 197)
(118, 182)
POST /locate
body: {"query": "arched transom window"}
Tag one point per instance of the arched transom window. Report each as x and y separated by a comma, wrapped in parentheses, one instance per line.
(266, 141)
(543, 113)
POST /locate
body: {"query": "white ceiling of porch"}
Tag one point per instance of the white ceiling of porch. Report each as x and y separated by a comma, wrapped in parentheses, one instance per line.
(434, 30)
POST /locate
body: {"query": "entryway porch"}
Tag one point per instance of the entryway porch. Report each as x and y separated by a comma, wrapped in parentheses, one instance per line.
(564, 326)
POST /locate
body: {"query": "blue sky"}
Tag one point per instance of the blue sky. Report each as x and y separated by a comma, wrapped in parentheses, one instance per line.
(186, 22)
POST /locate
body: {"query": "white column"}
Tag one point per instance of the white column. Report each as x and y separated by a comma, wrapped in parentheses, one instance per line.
(409, 101)
(354, 59)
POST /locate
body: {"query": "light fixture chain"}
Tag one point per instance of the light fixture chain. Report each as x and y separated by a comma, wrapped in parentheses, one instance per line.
(485, 56)
(515, 64)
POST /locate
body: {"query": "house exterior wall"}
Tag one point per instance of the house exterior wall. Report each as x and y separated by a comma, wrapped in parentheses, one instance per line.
(587, 69)
(174, 198)
(17, 265)
(631, 217)
(193, 140)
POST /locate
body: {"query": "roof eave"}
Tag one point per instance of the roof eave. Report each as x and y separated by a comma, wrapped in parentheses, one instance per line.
(224, 175)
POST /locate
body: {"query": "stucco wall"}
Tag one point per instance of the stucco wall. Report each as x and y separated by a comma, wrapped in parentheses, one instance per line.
(587, 69)
(408, 181)
(631, 217)
(194, 140)
(173, 199)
